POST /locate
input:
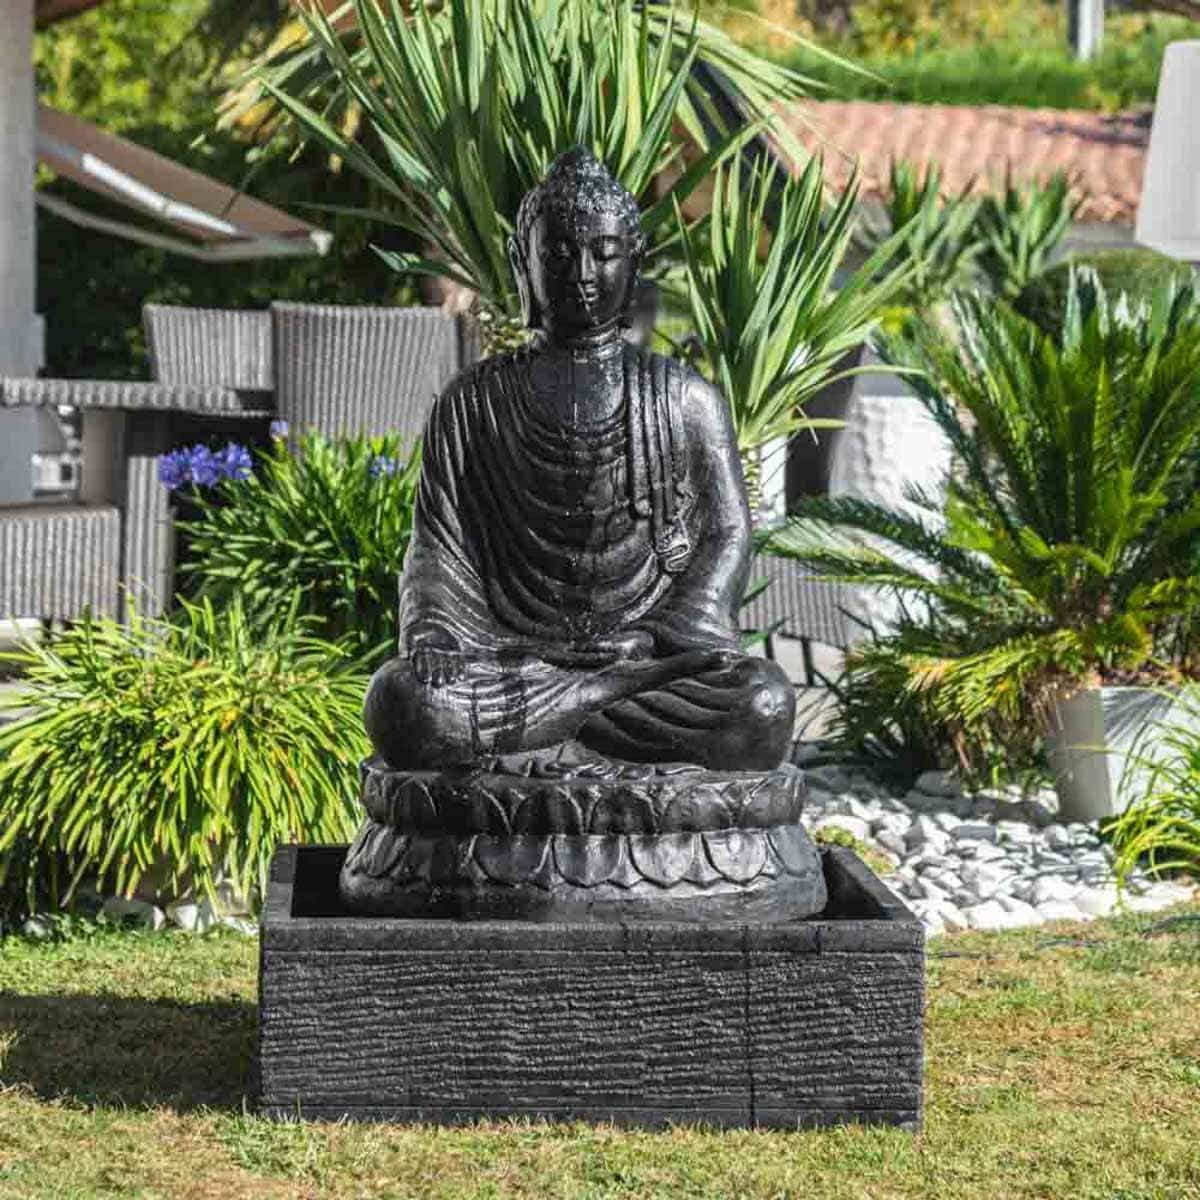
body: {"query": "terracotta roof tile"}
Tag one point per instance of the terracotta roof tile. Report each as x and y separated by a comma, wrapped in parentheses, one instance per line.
(1103, 154)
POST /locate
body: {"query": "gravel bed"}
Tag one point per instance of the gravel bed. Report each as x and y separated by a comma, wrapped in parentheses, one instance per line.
(987, 860)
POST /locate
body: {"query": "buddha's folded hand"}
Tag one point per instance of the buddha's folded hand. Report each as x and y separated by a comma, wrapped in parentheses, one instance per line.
(437, 659)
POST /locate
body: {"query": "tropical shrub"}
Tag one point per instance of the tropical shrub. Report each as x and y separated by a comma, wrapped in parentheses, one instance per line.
(198, 745)
(1066, 551)
(897, 732)
(462, 110)
(1021, 228)
(771, 326)
(1160, 828)
(1137, 273)
(325, 526)
(933, 240)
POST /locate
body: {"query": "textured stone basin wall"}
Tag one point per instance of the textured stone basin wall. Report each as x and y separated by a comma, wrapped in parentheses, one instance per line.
(801, 1024)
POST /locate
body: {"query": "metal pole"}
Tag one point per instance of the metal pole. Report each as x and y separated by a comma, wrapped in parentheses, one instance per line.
(1085, 27)
(19, 350)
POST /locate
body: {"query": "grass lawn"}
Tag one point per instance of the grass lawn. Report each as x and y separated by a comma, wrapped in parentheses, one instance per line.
(1060, 1063)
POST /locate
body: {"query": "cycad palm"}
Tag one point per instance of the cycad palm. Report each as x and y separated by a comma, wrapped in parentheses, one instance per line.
(1068, 543)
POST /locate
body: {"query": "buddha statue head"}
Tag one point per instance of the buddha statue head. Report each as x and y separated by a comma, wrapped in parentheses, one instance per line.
(577, 249)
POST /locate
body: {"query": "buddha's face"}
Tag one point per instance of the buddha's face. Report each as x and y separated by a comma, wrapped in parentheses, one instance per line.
(581, 266)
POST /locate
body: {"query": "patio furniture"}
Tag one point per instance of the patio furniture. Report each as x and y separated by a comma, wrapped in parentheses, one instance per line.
(59, 559)
(347, 371)
(218, 374)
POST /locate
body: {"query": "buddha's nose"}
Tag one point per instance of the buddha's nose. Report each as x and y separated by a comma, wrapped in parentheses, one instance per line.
(583, 266)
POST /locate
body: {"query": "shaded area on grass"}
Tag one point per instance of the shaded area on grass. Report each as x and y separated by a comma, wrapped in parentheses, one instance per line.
(111, 1049)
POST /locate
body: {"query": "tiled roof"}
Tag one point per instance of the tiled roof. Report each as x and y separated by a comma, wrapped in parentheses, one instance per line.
(1103, 154)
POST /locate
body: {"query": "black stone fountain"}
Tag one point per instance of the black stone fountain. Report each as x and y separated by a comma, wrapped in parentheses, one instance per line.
(582, 888)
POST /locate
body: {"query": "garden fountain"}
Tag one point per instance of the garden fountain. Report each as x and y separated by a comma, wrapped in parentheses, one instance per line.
(582, 888)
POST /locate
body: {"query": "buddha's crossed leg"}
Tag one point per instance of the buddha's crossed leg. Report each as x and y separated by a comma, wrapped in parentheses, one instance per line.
(714, 708)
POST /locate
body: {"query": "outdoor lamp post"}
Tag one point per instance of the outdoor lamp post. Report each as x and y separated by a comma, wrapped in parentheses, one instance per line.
(1169, 213)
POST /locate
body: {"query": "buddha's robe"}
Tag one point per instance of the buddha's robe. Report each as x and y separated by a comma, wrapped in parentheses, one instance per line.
(542, 549)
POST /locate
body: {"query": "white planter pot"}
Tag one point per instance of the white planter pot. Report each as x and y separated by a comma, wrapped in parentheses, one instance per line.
(1090, 753)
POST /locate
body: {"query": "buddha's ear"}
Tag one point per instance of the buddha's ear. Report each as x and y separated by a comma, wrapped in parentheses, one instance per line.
(637, 256)
(520, 270)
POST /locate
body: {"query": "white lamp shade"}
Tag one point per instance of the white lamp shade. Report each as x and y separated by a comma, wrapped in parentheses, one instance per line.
(1169, 213)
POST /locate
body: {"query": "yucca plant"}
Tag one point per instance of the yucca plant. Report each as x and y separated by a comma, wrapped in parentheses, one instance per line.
(939, 242)
(325, 525)
(1020, 229)
(772, 325)
(1160, 828)
(199, 744)
(1066, 551)
(461, 110)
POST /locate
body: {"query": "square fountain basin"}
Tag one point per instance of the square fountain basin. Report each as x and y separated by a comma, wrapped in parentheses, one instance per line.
(789, 1025)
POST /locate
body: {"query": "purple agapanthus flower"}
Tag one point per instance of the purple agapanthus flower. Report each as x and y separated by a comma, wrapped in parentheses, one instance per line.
(173, 469)
(200, 466)
(381, 464)
(235, 462)
(279, 430)
(204, 467)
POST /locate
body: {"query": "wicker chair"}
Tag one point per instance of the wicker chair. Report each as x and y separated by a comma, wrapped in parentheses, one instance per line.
(348, 371)
(799, 604)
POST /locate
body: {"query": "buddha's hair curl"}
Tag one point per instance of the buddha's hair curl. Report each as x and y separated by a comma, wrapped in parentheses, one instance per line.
(577, 180)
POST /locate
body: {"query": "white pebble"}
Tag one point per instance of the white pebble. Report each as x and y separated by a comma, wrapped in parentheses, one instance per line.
(1059, 910)
(1096, 901)
(1025, 913)
(938, 783)
(989, 915)
(1052, 888)
(119, 909)
(975, 831)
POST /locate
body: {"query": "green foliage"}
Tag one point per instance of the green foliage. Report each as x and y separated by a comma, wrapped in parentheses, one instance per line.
(327, 526)
(772, 327)
(934, 239)
(1067, 548)
(198, 743)
(1137, 273)
(1007, 65)
(898, 731)
(467, 106)
(1021, 229)
(831, 835)
(1160, 828)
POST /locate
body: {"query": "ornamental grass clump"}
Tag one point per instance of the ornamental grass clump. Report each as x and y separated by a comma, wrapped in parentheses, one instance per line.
(1160, 828)
(933, 238)
(328, 522)
(772, 327)
(193, 747)
(1067, 552)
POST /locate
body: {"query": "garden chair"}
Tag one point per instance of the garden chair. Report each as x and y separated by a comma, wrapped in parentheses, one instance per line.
(59, 560)
(800, 604)
(345, 371)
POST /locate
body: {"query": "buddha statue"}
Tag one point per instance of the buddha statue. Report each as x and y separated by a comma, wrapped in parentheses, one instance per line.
(569, 668)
